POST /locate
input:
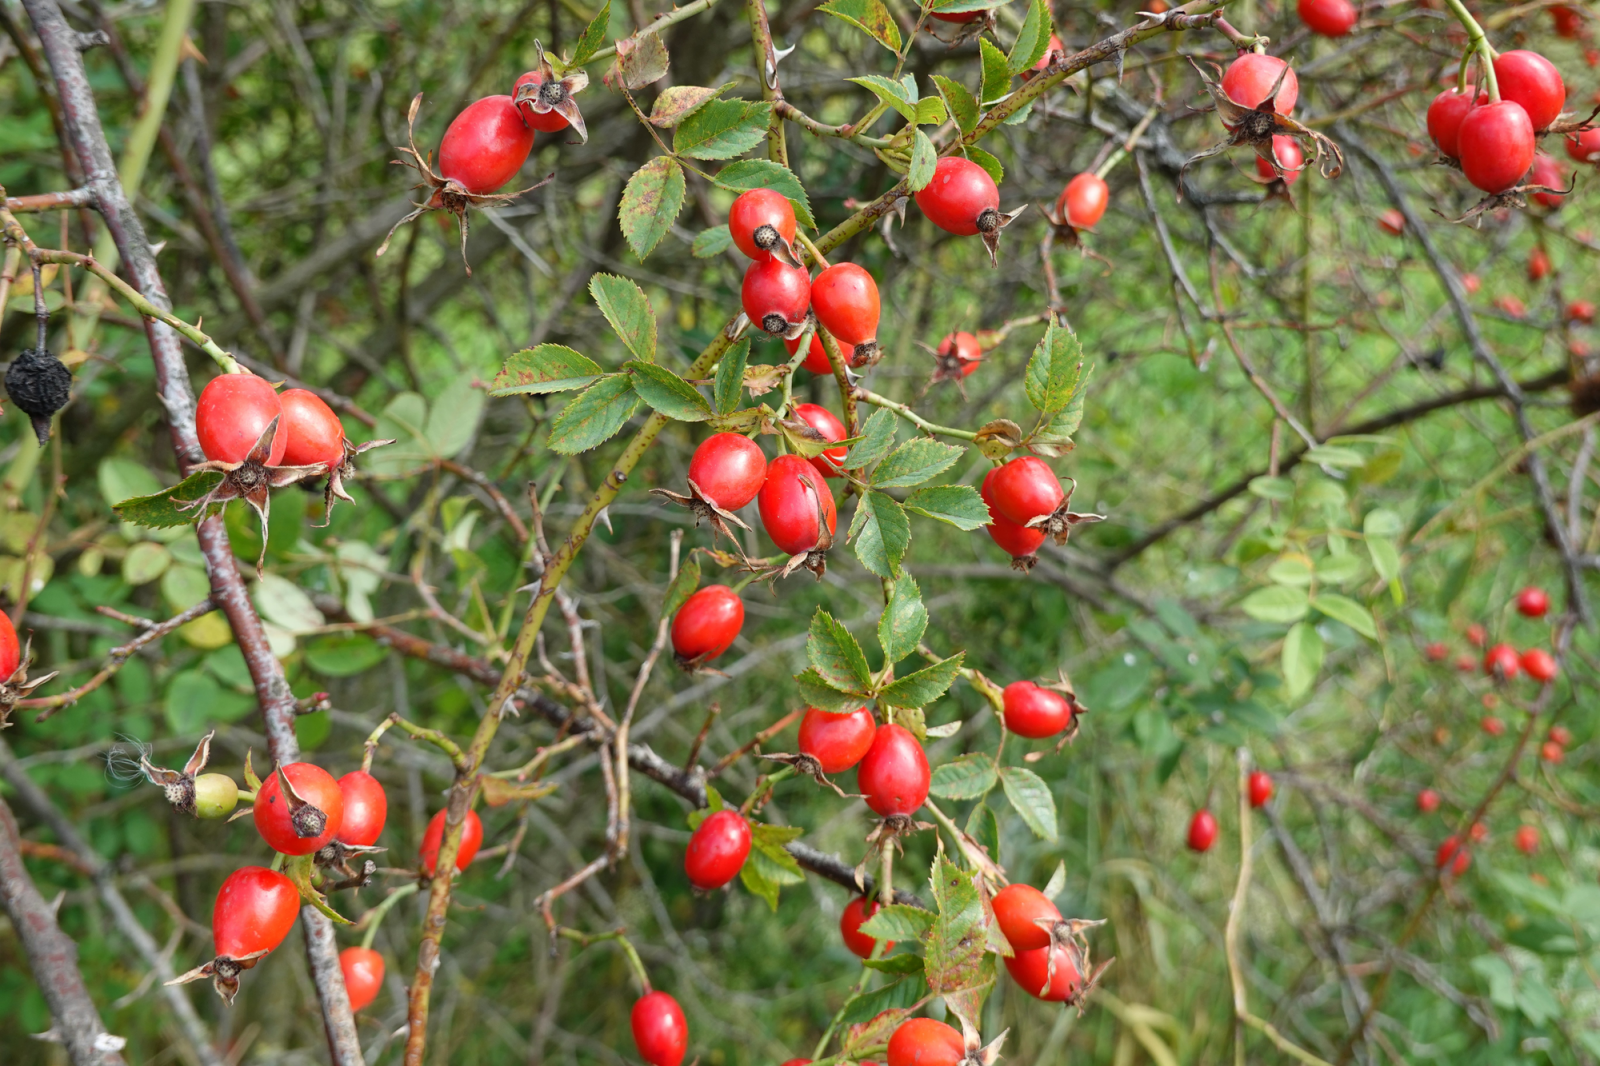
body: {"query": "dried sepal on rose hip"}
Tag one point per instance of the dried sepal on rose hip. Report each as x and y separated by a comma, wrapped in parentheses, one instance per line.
(14, 661)
(492, 149)
(40, 385)
(189, 790)
(1255, 125)
(546, 101)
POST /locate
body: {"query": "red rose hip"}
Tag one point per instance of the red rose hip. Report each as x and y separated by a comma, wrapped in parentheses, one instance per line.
(1018, 909)
(363, 975)
(1024, 489)
(1249, 79)
(660, 1031)
(925, 1042)
(717, 850)
(837, 741)
(845, 300)
(366, 808)
(1261, 788)
(775, 295)
(707, 625)
(1035, 712)
(433, 838)
(759, 220)
(823, 421)
(962, 198)
(233, 411)
(1031, 971)
(857, 911)
(1202, 831)
(1529, 79)
(728, 469)
(302, 823)
(1533, 602)
(795, 502)
(894, 775)
(1496, 145)
(1083, 202)
(312, 433)
(485, 145)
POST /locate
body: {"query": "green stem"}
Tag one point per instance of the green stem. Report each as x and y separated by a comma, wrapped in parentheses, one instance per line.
(763, 787)
(911, 416)
(1477, 43)
(375, 916)
(634, 962)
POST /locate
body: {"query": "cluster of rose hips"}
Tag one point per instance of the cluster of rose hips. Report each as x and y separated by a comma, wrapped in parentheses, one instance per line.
(1502, 661)
(1494, 139)
(303, 814)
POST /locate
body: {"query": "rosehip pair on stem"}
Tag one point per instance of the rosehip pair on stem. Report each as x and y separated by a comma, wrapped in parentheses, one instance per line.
(487, 143)
(259, 440)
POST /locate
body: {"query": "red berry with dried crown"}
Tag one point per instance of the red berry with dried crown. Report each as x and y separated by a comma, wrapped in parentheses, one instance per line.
(837, 741)
(728, 469)
(1202, 830)
(234, 410)
(962, 198)
(1248, 81)
(717, 850)
(302, 820)
(485, 145)
(776, 295)
(845, 300)
(759, 220)
(707, 625)
(894, 774)
(660, 1031)
(795, 504)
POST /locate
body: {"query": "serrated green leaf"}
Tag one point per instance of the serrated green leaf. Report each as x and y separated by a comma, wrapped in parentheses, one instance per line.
(923, 161)
(628, 310)
(1033, 39)
(957, 942)
(650, 204)
(641, 60)
(1055, 372)
(1276, 603)
(996, 73)
(681, 588)
(710, 243)
(914, 462)
(877, 437)
(1031, 798)
(160, 510)
(899, 922)
(1348, 611)
(891, 92)
(753, 877)
(835, 654)
(897, 964)
(667, 393)
(903, 621)
(869, 16)
(818, 693)
(1302, 658)
(677, 102)
(729, 387)
(770, 840)
(956, 505)
(723, 129)
(545, 369)
(880, 533)
(889, 1002)
(764, 174)
(989, 163)
(923, 687)
(595, 415)
(594, 37)
(963, 108)
(964, 778)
